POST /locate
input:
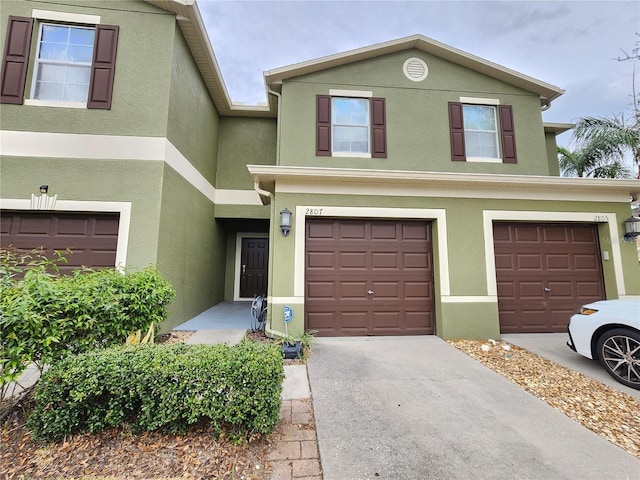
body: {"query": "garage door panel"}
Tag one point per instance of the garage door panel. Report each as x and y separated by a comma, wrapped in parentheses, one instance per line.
(563, 289)
(354, 290)
(570, 274)
(352, 260)
(588, 290)
(527, 234)
(555, 234)
(385, 260)
(389, 258)
(320, 260)
(584, 235)
(586, 262)
(321, 290)
(528, 290)
(384, 231)
(417, 261)
(385, 290)
(504, 261)
(557, 262)
(528, 261)
(417, 290)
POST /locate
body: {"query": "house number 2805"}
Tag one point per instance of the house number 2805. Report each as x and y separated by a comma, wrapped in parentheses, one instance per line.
(313, 211)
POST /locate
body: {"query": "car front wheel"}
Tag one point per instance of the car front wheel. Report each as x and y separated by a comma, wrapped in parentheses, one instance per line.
(619, 353)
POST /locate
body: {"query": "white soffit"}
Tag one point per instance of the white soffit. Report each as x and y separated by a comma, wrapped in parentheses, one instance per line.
(441, 184)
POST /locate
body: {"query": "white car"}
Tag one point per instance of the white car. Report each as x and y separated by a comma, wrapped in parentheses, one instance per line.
(609, 331)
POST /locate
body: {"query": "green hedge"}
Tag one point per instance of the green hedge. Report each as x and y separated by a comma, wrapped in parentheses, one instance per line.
(161, 387)
(44, 317)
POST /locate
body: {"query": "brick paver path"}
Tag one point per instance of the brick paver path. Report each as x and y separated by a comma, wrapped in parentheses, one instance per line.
(295, 451)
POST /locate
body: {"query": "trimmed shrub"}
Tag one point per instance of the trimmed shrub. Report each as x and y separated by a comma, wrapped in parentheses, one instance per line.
(44, 317)
(161, 387)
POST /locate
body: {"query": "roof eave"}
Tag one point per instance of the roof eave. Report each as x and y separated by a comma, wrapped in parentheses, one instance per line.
(546, 91)
(195, 34)
(266, 176)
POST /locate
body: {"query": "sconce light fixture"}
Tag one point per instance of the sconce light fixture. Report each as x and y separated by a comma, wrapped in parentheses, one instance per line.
(631, 228)
(44, 188)
(285, 222)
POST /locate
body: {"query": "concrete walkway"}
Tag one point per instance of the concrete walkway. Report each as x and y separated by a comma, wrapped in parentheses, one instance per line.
(418, 408)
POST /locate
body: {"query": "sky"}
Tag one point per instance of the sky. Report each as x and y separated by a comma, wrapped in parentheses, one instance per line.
(572, 45)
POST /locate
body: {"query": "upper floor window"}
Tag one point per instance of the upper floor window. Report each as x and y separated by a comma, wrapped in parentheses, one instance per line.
(74, 61)
(482, 132)
(350, 126)
(63, 63)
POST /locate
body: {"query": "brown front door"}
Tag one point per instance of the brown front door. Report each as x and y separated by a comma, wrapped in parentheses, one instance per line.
(92, 238)
(369, 277)
(544, 273)
(254, 259)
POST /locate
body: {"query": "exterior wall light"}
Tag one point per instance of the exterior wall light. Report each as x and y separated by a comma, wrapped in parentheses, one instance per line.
(631, 228)
(44, 188)
(285, 222)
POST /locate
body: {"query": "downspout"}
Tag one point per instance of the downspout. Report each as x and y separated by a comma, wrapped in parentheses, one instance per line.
(279, 97)
(545, 107)
(272, 227)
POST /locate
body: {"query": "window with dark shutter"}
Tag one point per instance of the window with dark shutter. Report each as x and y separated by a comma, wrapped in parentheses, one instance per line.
(103, 67)
(456, 128)
(323, 125)
(505, 129)
(15, 60)
(507, 133)
(378, 128)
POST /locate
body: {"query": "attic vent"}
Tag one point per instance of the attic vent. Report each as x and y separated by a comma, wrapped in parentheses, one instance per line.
(415, 69)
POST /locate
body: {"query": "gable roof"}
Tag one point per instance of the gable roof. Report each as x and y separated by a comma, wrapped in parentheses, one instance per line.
(547, 92)
(195, 33)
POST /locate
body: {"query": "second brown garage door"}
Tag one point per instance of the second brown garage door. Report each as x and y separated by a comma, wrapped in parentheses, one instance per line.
(369, 277)
(91, 237)
(544, 273)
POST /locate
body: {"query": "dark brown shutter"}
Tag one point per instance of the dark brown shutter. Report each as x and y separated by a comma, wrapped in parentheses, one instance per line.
(323, 125)
(15, 60)
(456, 127)
(378, 128)
(507, 134)
(103, 67)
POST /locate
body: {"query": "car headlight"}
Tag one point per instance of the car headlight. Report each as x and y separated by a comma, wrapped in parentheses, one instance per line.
(587, 311)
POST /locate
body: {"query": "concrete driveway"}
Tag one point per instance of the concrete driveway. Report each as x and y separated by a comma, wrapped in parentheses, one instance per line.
(553, 346)
(418, 408)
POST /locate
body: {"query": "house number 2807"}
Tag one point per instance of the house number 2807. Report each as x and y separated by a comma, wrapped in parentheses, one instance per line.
(313, 211)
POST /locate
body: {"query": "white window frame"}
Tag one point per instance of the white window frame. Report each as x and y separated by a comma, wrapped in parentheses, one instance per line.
(484, 102)
(352, 94)
(71, 19)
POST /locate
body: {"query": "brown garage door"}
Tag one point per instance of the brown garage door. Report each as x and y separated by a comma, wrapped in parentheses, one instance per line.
(545, 272)
(369, 277)
(92, 237)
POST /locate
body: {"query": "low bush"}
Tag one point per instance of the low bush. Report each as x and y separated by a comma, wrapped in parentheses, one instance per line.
(161, 387)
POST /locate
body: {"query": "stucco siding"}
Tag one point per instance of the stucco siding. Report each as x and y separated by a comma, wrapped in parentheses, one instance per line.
(193, 122)
(416, 116)
(142, 73)
(244, 141)
(92, 181)
(191, 249)
(464, 277)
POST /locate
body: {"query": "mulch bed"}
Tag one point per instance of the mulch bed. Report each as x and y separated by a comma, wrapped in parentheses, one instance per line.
(118, 453)
(598, 407)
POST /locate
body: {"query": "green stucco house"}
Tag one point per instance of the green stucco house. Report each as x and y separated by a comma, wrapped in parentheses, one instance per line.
(419, 184)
